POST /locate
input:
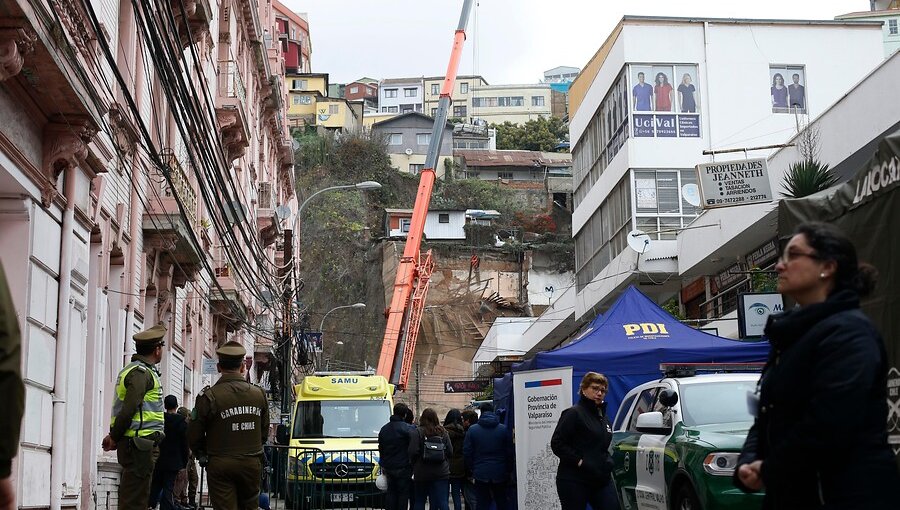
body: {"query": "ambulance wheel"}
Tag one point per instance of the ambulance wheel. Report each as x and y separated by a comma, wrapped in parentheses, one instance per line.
(686, 499)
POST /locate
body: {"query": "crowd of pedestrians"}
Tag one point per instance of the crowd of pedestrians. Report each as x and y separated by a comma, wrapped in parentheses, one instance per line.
(468, 458)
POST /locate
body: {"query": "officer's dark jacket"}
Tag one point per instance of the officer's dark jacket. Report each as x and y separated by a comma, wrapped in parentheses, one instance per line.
(821, 424)
(11, 386)
(230, 419)
(393, 444)
(488, 449)
(173, 450)
(583, 434)
(457, 438)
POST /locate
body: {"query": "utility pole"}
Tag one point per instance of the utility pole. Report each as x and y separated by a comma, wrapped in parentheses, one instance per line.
(286, 336)
(418, 391)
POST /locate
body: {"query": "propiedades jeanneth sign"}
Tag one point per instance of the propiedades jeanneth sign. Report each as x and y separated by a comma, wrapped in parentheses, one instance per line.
(734, 183)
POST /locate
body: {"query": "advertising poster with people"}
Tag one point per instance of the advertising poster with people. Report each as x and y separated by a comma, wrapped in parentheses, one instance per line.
(665, 101)
(787, 89)
(540, 398)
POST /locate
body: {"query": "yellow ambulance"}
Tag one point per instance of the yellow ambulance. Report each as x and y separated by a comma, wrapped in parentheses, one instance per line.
(333, 454)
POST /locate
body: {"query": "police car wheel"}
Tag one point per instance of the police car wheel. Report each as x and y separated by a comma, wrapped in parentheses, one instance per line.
(686, 499)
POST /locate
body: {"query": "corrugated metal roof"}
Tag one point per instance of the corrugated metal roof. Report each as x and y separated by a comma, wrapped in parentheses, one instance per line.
(477, 157)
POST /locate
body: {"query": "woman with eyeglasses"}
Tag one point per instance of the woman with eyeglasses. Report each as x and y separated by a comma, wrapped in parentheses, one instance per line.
(581, 441)
(819, 439)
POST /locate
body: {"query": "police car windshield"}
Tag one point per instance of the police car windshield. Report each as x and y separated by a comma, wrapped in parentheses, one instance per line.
(718, 402)
(341, 418)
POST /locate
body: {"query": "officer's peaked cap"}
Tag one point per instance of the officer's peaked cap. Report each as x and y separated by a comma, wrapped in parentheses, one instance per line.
(231, 350)
(152, 336)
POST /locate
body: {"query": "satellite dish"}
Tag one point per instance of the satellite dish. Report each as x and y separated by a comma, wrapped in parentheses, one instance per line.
(235, 212)
(408, 152)
(282, 211)
(691, 194)
(638, 241)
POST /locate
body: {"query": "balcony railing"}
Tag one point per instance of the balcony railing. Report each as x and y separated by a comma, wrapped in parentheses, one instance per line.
(231, 82)
(181, 186)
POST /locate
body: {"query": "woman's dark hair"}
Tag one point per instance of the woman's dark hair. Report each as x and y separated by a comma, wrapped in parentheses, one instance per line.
(831, 244)
(776, 76)
(453, 416)
(429, 423)
(665, 79)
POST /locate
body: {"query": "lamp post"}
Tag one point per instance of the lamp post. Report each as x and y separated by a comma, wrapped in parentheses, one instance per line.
(291, 255)
(322, 322)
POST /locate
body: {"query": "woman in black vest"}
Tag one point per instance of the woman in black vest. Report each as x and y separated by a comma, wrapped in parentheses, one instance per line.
(581, 441)
(819, 439)
(430, 450)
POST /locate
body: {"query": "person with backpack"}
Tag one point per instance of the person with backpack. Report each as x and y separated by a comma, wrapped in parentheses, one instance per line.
(488, 452)
(430, 450)
(393, 450)
(453, 424)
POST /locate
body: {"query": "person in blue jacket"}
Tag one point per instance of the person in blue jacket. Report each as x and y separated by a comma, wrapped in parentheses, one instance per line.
(488, 453)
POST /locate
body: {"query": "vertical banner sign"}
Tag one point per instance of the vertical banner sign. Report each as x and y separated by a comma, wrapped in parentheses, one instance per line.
(540, 397)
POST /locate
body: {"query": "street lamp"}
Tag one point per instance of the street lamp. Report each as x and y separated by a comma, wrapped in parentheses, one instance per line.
(322, 323)
(361, 186)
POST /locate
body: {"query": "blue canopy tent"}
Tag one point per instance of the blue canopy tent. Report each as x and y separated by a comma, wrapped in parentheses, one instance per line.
(627, 345)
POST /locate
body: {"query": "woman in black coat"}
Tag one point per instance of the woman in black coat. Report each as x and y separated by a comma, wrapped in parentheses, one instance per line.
(581, 441)
(819, 439)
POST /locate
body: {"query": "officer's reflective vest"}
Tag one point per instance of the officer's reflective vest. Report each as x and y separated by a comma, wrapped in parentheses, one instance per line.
(149, 417)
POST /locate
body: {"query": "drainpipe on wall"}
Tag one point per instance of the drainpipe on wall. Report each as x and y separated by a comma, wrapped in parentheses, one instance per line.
(60, 380)
(134, 229)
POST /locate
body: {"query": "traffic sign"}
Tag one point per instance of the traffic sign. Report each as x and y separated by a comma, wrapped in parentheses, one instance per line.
(474, 386)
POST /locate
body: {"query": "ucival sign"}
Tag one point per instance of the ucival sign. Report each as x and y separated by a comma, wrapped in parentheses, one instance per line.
(734, 183)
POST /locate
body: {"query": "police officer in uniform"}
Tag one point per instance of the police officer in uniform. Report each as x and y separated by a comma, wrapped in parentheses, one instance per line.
(229, 425)
(138, 418)
(12, 389)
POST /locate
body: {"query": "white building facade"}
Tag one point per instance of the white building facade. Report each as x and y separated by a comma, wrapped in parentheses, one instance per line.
(401, 95)
(645, 110)
(496, 104)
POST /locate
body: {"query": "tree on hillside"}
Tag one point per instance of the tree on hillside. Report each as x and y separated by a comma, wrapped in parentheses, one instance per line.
(541, 134)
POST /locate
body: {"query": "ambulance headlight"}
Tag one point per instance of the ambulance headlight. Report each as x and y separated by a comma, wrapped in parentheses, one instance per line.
(720, 463)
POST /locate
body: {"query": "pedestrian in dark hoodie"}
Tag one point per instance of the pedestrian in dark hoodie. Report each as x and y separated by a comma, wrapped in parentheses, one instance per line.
(430, 450)
(173, 457)
(819, 439)
(469, 418)
(393, 450)
(581, 441)
(488, 452)
(453, 424)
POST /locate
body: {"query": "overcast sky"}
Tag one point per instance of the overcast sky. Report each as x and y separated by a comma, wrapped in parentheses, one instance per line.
(509, 41)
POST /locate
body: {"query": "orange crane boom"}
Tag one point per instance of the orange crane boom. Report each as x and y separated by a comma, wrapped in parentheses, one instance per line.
(404, 314)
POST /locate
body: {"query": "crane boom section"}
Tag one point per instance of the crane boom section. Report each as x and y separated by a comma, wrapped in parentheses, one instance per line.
(393, 345)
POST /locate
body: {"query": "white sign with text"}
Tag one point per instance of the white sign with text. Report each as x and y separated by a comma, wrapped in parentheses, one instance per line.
(540, 397)
(734, 183)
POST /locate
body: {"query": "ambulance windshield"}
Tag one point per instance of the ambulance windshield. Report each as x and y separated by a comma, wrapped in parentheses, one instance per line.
(340, 418)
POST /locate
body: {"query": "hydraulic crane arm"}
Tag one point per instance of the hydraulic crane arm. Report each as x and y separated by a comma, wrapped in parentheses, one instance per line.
(414, 271)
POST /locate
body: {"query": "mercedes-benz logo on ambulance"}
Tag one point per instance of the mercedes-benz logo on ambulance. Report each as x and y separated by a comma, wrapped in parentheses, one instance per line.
(341, 470)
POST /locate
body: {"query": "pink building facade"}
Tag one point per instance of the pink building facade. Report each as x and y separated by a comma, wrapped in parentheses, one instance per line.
(146, 171)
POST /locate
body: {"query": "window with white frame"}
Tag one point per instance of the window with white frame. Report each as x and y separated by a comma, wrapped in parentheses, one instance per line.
(395, 139)
(459, 111)
(405, 224)
(295, 99)
(505, 175)
(511, 101)
(409, 92)
(435, 89)
(423, 138)
(464, 88)
(443, 218)
(299, 84)
(354, 89)
(892, 26)
(605, 234)
(384, 109)
(659, 206)
(392, 109)
(406, 108)
(415, 168)
(334, 109)
(433, 112)
(537, 100)
(390, 92)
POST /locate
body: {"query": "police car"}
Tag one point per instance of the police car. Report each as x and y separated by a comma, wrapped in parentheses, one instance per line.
(676, 440)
